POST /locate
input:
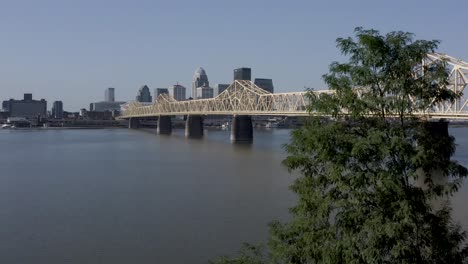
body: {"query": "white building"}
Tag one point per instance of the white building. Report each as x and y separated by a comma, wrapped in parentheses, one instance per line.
(204, 92)
(199, 79)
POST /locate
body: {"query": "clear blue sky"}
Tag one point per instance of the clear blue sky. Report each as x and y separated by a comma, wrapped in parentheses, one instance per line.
(72, 50)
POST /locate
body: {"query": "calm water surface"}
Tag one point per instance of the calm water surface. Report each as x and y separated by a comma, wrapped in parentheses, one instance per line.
(127, 196)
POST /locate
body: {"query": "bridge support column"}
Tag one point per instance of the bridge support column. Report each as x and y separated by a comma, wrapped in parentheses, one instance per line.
(241, 128)
(164, 125)
(194, 126)
(133, 123)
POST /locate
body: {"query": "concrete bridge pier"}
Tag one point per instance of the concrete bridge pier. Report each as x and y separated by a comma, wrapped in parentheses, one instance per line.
(133, 123)
(164, 125)
(194, 126)
(241, 128)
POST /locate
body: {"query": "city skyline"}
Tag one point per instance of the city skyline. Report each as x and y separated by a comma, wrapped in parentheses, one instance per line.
(70, 52)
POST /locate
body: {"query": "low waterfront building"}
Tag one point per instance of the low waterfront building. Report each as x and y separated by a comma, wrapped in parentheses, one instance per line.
(105, 106)
(26, 108)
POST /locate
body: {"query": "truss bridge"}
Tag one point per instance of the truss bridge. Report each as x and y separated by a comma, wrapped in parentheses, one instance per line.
(243, 99)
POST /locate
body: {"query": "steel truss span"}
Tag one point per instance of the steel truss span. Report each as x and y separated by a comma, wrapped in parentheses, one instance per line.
(245, 98)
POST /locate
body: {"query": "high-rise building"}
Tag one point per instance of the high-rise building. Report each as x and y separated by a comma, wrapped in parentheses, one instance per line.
(204, 92)
(109, 95)
(219, 88)
(108, 105)
(144, 95)
(243, 74)
(27, 108)
(57, 110)
(177, 92)
(199, 79)
(265, 84)
(159, 91)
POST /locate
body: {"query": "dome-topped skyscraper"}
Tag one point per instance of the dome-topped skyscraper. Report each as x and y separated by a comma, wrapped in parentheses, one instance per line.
(199, 79)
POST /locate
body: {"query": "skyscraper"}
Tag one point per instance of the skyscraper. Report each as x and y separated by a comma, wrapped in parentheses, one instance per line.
(108, 105)
(243, 74)
(144, 95)
(204, 92)
(265, 84)
(199, 79)
(109, 95)
(177, 92)
(57, 110)
(219, 88)
(159, 91)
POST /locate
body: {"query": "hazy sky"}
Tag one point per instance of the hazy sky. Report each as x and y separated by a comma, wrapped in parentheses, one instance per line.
(72, 50)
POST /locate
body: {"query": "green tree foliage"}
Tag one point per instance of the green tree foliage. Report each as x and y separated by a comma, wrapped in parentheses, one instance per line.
(368, 172)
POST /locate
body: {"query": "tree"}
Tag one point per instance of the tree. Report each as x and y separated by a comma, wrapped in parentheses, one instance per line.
(359, 200)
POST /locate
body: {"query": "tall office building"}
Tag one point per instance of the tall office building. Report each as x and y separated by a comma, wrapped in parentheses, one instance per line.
(144, 95)
(243, 74)
(27, 108)
(57, 110)
(204, 92)
(108, 105)
(177, 92)
(265, 84)
(219, 88)
(159, 91)
(199, 79)
(109, 95)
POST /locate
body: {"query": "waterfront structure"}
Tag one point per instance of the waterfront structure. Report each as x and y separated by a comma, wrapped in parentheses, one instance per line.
(265, 84)
(199, 79)
(109, 95)
(243, 74)
(177, 92)
(159, 91)
(144, 95)
(6, 106)
(108, 105)
(57, 110)
(204, 92)
(219, 88)
(26, 108)
(105, 106)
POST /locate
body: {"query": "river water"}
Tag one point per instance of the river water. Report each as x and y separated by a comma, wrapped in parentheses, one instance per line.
(130, 196)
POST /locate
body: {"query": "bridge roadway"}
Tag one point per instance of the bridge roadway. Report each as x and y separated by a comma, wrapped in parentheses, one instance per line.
(243, 99)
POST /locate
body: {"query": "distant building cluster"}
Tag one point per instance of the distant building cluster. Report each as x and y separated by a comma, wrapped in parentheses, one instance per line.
(108, 105)
(36, 110)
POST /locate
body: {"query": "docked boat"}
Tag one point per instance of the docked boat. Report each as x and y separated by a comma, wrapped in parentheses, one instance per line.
(7, 126)
(225, 125)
